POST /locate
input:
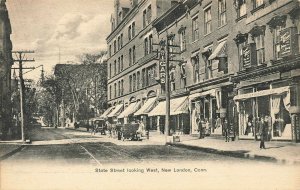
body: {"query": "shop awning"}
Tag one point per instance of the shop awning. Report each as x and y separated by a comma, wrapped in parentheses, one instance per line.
(115, 112)
(131, 109)
(262, 93)
(211, 92)
(177, 106)
(104, 115)
(147, 107)
(221, 48)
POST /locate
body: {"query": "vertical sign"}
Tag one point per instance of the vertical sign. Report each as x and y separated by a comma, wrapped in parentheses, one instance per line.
(162, 66)
(285, 42)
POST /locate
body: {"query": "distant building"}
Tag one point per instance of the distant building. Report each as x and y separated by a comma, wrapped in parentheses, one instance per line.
(6, 62)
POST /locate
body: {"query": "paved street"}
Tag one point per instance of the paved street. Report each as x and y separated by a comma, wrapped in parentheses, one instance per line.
(63, 155)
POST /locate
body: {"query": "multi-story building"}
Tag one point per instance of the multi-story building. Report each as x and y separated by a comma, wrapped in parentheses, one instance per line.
(132, 65)
(236, 65)
(6, 62)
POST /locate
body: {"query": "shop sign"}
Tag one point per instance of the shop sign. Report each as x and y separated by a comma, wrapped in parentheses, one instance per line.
(249, 55)
(285, 42)
(162, 67)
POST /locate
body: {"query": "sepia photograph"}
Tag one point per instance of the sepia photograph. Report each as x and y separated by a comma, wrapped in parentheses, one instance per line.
(149, 94)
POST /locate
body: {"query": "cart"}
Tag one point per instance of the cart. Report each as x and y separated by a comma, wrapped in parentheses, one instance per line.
(129, 131)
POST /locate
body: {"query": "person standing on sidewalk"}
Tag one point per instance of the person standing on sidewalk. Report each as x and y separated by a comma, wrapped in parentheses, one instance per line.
(199, 124)
(263, 131)
(226, 130)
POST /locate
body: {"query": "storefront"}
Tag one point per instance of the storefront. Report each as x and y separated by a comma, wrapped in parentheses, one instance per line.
(142, 113)
(179, 116)
(206, 106)
(270, 101)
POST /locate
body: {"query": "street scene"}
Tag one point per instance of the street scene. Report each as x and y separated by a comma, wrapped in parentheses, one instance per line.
(154, 94)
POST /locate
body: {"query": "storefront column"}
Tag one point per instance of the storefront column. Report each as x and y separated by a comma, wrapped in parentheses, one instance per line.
(295, 113)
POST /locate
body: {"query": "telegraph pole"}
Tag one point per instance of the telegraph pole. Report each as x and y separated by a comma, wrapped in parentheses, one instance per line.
(20, 59)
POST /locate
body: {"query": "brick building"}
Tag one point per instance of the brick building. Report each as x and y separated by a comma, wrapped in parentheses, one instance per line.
(239, 63)
(6, 62)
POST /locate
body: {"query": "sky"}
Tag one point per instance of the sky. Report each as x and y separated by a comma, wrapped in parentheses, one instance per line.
(45, 26)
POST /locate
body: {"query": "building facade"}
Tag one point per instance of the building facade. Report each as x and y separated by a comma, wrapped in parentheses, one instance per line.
(232, 61)
(6, 62)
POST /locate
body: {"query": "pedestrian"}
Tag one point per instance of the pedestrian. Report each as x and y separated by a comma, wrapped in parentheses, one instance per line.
(199, 123)
(226, 130)
(263, 131)
(141, 130)
(249, 127)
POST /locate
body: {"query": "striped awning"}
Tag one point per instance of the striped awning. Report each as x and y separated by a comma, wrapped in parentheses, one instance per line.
(147, 107)
(131, 109)
(104, 115)
(115, 112)
(177, 106)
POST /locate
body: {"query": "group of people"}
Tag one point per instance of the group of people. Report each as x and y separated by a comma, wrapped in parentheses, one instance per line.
(204, 127)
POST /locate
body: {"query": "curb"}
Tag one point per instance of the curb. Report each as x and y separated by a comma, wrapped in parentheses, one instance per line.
(236, 154)
(12, 153)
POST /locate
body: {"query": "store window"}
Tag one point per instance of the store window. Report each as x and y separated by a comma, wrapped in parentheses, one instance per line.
(222, 12)
(207, 21)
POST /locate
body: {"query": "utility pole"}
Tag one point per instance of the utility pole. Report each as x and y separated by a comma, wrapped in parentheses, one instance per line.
(164, 70)
(20, 59)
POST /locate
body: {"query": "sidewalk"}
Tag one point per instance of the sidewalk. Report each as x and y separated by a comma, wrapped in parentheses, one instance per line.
(6, 150)
(280, 152)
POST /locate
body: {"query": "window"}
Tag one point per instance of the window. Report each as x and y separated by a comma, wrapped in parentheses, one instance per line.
(242, 10)
(130, 83)
(144, 19)
(109, 50)
(110, 92)
(115, 89)
(110, 70)
(207, 21)
(257, 3)
(119, 88)
(172, 80)
(277, 41)
(134, 82)
(133, 29)
(130, 57)
(115, 67)
(122, 87)
(182, 75)
(146, 46)
(129, 32)
(260, 48)
(196, 68)
(143, 78)
(222, 12)
(121, 41)
(133, 54)
(182, 40)
(115, 46)
(150, 43)
(195, 28)
(149, 14)
(122, 63)
(119, 65)
(138, 76)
